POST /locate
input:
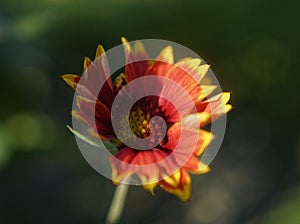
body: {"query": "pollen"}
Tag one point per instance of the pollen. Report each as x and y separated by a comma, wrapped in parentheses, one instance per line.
(139, 123)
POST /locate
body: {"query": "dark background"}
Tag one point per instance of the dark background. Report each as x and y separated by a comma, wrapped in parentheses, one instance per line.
(253, 47)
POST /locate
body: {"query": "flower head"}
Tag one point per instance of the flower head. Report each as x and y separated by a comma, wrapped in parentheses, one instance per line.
(161, 111)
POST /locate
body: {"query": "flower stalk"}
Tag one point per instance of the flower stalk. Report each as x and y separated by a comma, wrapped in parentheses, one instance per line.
(117, 204)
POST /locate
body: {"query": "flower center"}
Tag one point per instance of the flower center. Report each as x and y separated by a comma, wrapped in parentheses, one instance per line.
(144, 124)
(139, 123)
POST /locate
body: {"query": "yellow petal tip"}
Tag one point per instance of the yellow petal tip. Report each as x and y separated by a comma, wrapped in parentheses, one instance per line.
(124, 40)
(70, 79)
(100, 50)
(166, 55)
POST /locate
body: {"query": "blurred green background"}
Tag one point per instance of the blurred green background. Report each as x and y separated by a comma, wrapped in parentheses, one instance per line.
(253, 47)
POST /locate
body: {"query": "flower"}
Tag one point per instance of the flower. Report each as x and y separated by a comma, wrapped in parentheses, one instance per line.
(181, 141)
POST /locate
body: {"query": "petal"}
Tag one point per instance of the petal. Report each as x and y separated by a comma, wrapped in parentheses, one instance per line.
(97, 73)
(185, 80)
(128, 161)
(191, 66)
(126, 155)
(150, 187)
(195, 166)
(95, 115)
(136, 69)
(189, 63)
(175, 133)
(127, 48)
(166, 55)
(137, 61)
(163, 62)
(119, 82)
(86, 63)
(178, 97)
(195, 140)
(202, 71)
(120, 170)
(146, 157)
(188, 75)
(139, 48)
(173, 180)
(178, 184)
(99, 51)
(216, 106)
(79, 117)
(159, 68)
(71, 80)
(206, 90)
(195, 120)
(205, 138)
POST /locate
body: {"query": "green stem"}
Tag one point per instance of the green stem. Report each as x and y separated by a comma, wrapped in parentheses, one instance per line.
(117, 204)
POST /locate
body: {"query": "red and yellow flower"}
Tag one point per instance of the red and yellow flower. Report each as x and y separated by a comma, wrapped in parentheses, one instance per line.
(95, 106)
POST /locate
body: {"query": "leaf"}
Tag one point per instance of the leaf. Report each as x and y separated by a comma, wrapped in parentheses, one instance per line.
(106, 144)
